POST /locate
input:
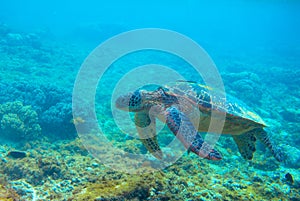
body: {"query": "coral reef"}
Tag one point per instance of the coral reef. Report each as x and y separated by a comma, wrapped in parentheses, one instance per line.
(129, 187)
(24, 189)
(58, 118)
(52, 104)
(51, 167)
(86, 179)
(245, 85)
(35, 96)
(18, 121)
(64, 170)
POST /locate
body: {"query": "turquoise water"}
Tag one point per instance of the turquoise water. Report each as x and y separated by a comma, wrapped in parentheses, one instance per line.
(254, 45)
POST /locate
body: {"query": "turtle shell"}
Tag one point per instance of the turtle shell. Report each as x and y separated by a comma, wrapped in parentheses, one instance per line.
(208, 99)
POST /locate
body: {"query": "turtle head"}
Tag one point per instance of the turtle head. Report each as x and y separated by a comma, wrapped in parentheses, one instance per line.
(143, 100)
(132, 102)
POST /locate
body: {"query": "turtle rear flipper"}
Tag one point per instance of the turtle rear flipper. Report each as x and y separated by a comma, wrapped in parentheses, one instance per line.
(182, 127)
(246, 144)
(146, 127)
(263, 136)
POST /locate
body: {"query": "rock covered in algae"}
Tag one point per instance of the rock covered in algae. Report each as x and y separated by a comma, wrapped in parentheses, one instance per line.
(50, 166)
(8, 194)
(128, 187)
(18, 121)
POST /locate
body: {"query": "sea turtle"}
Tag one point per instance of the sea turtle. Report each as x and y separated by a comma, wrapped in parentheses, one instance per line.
(174, 103)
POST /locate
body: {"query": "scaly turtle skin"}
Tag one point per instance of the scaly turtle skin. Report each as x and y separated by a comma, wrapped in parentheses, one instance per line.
(175, 104)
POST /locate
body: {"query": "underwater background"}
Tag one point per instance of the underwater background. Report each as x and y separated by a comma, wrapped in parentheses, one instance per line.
(254, 44)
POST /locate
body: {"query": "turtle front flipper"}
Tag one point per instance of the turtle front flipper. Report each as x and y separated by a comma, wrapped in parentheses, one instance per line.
(185, 131)
(146, 127)
(246, 144)
(263, 136)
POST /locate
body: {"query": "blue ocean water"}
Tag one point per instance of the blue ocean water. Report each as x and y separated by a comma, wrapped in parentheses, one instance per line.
(44, 47)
